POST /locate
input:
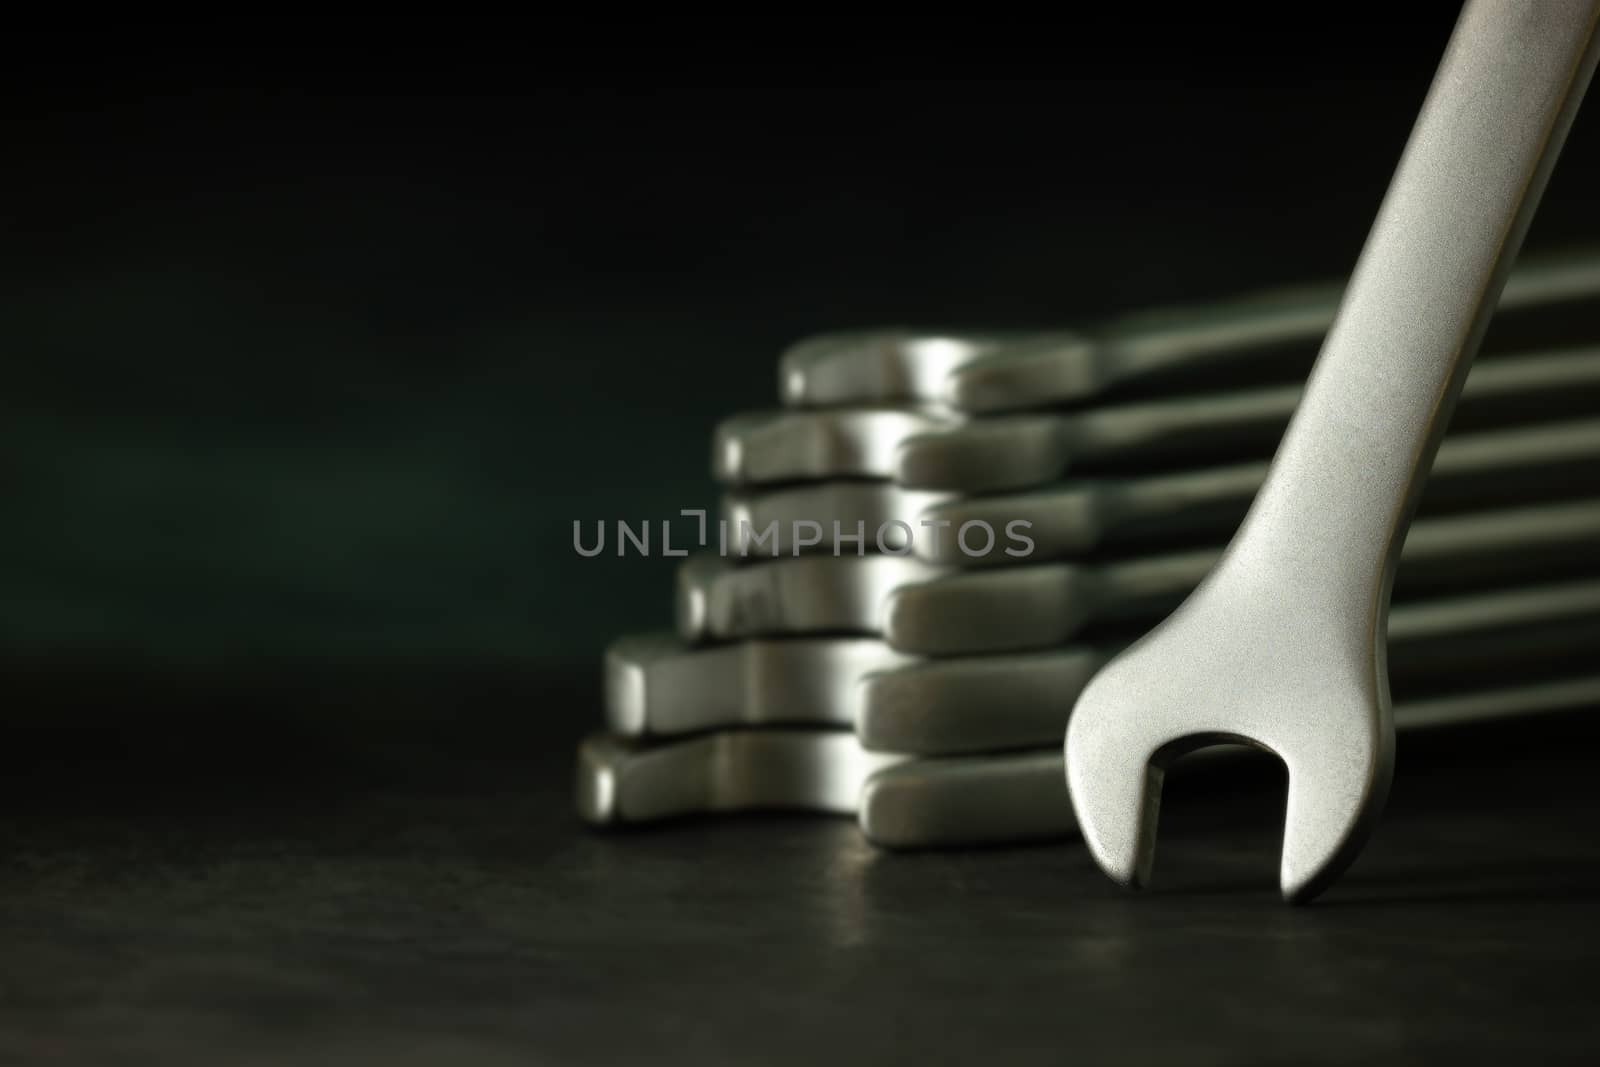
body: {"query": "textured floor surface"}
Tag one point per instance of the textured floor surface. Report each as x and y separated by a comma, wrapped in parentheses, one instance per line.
(206, 893)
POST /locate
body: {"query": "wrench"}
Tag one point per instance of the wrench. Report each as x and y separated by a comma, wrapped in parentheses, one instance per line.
(924, 449)
(968, 704)
(1073, 518)
(932, 610)
(1019, 797)
(1043, 447)
(1282, 645)
(997, 371)
(739, 770)
(656, 686)
(970, 612)
(902, 802)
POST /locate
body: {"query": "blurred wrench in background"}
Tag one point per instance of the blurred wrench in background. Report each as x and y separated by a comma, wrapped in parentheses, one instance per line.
(944, 451)
(989, 372)
(902, 802)
(1069, 519)
(657, 687)
(931, 610)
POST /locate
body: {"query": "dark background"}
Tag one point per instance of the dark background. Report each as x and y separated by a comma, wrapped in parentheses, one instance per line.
(319, 336)
(318, 345)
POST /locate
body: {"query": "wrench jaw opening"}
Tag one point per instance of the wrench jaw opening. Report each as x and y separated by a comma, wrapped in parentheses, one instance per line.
(1211, 675)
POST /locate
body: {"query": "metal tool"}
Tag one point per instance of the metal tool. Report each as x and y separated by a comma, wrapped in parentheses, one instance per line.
(967, 704)
(656, 686)
(1198, 428)
(1072, 518)
(720, 600)
(742, 770)
(815, 517)
(1017, 608)
(931, 610)
(1020, 797)
(996, 371)
(903, 802)
(946, 451)
(1282, 645)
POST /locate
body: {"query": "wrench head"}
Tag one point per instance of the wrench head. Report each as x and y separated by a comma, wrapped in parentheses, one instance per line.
(875, 366)
(1289, 681)
(993, 456)
(1037, 371)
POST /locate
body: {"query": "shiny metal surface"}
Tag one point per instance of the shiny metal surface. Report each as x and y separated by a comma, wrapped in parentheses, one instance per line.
(789, 446)
(1017, 797)
(855, 509)
(1019, 451)
(942, 450)
(1282, 646)
(748, 770)
(969, 704)
(1072, 518)
(719, 599)
(657, 686)
(1017, 608)
(1080, 516)
(915, 803)
(927, 609)
(994, 372)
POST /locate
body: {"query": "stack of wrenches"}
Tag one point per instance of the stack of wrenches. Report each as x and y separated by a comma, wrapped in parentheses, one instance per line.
(926, 554)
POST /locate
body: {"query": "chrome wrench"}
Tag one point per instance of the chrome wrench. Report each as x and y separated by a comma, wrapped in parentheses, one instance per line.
(990, 372)
(969, 458)
(966, 704)
(902, 802)
(1072, 518)
(1282, 645)
(924, 449)
(927, 609)
(656, 686)
(1020, 797)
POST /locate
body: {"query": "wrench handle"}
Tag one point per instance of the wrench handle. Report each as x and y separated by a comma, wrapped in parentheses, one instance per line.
(1341, 490)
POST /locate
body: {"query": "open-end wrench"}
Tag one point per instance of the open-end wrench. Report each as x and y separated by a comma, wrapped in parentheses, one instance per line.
(1019, 451)
(932, 610)
(719, 600)
(741, 770)
(967, 704)
(1020, 797)
(939, 450)
(997, 371)
(1080, 516)
(1072, 518)
(657, 686)
(1016, 608)
(769, 447)
(1282, 646)
(903, 802)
